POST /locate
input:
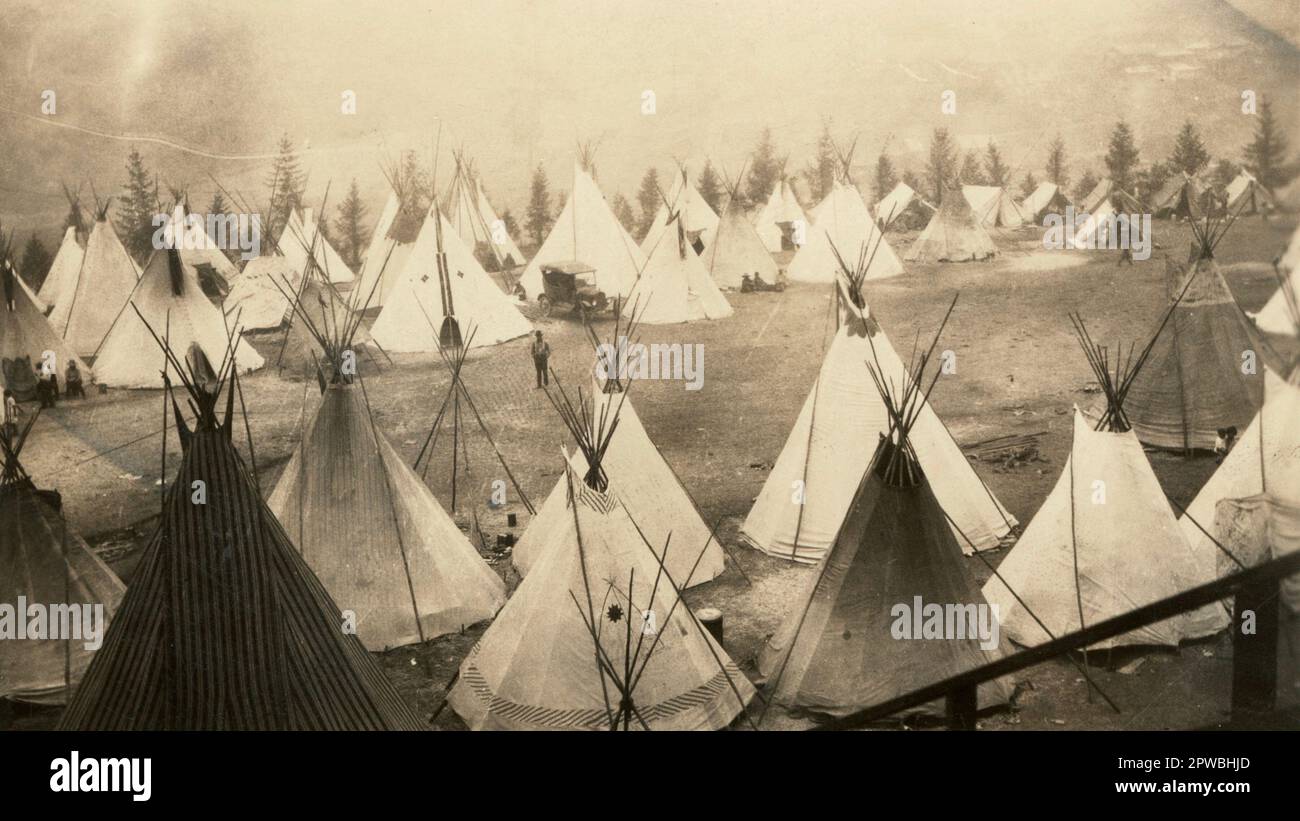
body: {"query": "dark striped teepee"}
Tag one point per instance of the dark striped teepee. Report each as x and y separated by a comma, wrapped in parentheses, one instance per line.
(224, 626)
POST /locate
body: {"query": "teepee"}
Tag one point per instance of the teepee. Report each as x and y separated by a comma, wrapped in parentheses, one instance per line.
(88, 306)
(366, 524)
(1181, 196)
(587, 231)
(845, 647)
(736, 249)
(1105, 541)
(44, 562)
(674, 285)
(224, 626)
(395, 234)
(256, 297)
(1246, 196)
(63, 271)
(807, 495)
(443, 279)
(651, 491)
(899, 201)
(1277, 315)
(1206, 369)
(685, 204)
(306, 248)
(26, 338)
(781, 220)
(993, 206)
(1047, 198)
(843, 221)
(167, 301)
(476, 221)
(596, 637)
(952, 235)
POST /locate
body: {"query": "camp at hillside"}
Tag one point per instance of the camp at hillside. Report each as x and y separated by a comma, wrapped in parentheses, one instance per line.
(45, 561)
(167, 303)
(952, 235)
(87, 308)
(838, 649)
(587, 231)
(442, 278)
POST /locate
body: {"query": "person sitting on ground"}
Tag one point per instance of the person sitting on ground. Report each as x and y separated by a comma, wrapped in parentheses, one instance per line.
(42, 388)
(541, 353)
(72, 382)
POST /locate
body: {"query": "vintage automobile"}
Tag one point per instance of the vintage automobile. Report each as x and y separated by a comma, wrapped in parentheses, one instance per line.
(570, 287)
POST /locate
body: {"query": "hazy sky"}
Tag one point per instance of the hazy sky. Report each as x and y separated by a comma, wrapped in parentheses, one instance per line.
(518, 83)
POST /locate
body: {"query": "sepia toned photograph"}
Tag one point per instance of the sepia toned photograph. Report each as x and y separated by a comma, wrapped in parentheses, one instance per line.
(579, 366)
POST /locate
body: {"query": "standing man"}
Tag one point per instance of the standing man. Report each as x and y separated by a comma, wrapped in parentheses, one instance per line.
(12, 413)
(541, 353)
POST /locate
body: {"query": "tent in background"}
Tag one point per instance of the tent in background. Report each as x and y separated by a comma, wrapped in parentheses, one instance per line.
(737, 250)
(476, 222)
(842, 220)
(777, 220)
(26, 337)
(687, 205)
(901, 203)
(587, 231)
(993, 206)
(1047, 198)
(62, 276)
(1280, 314)
(88, 307)
(674, 285)
(953, 234)
(1246, 196)
(395, 234)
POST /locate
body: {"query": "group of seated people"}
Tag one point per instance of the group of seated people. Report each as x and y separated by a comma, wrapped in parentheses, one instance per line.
(47, 384)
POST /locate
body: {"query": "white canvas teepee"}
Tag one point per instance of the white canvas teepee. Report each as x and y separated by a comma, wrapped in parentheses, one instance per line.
(1265, 459)
(993, 206)
(535, 668)
(435, 285)
(953, 234)
(674, 285)
(169, 298)
(1279, 314)
(62, 277)
(685, 202)
(468, 210)
(832, 443)
(651, 491)
(894, 204)
(1046, 198)
(1105, 542)
(390, 245)
(781, 219)
(256, 300)
(375, 534)
(302, 232)
(587, 231)
(842, 219)
(736, 250)
(87, 308)
(26, 339)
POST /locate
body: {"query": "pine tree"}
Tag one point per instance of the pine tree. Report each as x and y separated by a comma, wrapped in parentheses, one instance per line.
(512, 225)
(1189, 154)
(885, 179)
(285, 182)
(995, 170)
(623, 212)
(218, 207)
(1057, 168)
(136, 209)
(1265, 155)
(1150, 180)
(1122, 157)
(821, 171)
(351, 213)
(1085, 185)
(538, 216)
(711, 187)
(36, 263)
(764, 171)
(1028, 184)
(1225, 171)
(649, 198)
(972, 170)
(561, 199)
(941, 168)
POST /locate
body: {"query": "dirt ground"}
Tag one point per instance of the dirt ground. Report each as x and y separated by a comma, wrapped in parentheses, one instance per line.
(1019, 371)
